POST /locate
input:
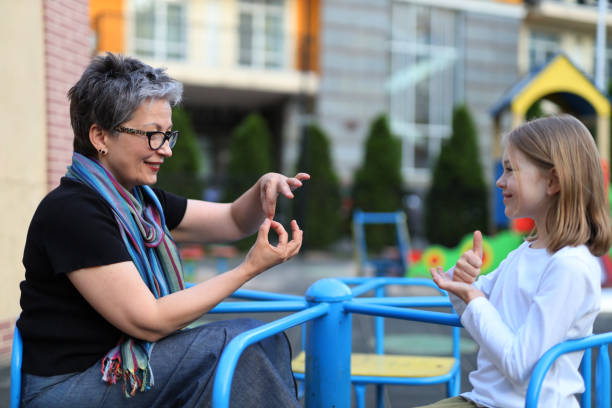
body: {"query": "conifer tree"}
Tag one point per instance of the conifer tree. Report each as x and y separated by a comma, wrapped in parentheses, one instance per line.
(378, 183)
(249, 156)
(320, 195)
(457, 201)
(249, 159)
(180, 173)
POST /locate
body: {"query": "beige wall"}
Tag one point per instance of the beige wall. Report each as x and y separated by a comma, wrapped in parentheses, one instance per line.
(23, 178)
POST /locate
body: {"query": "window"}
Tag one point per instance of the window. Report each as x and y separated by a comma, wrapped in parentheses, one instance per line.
(542, 47)
(260, 33)
(608, 63)
(423, 59)
(160, 29)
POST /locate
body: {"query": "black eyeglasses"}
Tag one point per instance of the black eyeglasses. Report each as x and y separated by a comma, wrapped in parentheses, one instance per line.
(156, 138)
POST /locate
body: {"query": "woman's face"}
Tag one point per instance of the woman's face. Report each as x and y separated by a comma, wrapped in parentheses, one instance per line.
(129, 157)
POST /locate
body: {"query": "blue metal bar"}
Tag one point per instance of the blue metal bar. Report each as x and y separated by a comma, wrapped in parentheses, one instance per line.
(328, 347)
(407, 314)
(231, 354)
(585, 370)
(256, 294)
(16, 359)
(261, 306)
(410, 301)
(602, 381)
(542, 366)
(379, 325)
(454, 386)
(380, 396)
(259, 295)
(375, 217)
(365, 286)
(360, 390)
(379, 331)
(388, 281)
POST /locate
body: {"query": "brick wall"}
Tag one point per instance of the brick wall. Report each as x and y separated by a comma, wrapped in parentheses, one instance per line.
(6, 339)
(67, 52)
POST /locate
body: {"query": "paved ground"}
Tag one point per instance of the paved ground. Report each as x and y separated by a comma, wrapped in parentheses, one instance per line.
(297, 275)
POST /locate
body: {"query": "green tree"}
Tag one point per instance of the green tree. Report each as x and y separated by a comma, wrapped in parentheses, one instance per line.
(319, 198)
(378, 183)
(535, 111)
(180, 173)
(457, 202)
(249, 159)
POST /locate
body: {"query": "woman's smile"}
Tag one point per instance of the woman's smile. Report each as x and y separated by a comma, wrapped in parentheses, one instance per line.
(153, 165)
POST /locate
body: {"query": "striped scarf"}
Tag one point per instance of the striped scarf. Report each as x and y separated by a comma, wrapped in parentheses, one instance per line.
(143, 228)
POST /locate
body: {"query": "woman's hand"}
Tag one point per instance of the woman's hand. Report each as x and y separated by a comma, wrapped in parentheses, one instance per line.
(468, 266)
(273, 184)
(264, 255)
(462, 290)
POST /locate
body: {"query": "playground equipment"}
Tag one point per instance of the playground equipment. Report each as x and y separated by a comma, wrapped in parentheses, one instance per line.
(16, 355)
(495, 249)
(327, 310)
(328, 341)
(378, 368)
(381, 266)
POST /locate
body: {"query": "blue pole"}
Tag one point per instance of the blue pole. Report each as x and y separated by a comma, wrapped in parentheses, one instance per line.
(585, 370)
(328, 348)
(231, 354)
(602, 381)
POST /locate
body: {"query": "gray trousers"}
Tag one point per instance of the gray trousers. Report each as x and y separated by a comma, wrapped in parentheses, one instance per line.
(183, 366)
(454, 402)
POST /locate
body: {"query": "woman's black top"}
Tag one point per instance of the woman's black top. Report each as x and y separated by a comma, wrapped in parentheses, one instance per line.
(72, 228)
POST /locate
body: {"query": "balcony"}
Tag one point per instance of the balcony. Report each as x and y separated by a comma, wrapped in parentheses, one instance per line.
(579, 13)
(241, 63)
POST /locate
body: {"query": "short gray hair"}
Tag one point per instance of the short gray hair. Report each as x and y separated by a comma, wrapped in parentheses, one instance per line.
(109, 92)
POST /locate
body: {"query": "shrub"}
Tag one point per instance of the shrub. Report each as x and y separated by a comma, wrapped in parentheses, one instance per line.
(378, 183)
(457, 202)
(249, 159)
(180, 173)
(317, 203)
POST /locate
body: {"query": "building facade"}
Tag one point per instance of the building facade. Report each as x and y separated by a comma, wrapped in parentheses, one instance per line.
(233, 57)
(42, 61)
(337, 62)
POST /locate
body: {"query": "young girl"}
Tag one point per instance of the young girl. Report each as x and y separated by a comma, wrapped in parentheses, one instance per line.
(548, 289)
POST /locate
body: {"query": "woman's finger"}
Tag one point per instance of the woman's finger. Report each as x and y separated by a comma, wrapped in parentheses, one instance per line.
(296, 238)
(294, 183)
(269, 199)
(264, 229)
(281, 232)
(286, 189)
(302, 176)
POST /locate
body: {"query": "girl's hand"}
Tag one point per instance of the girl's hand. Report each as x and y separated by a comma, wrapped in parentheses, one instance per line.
(273, 184)
(462, 290)
(468, 266)
(264, 255)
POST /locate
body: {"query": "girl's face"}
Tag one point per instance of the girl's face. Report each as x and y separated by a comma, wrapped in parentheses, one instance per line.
(129, 158)
(524, 185)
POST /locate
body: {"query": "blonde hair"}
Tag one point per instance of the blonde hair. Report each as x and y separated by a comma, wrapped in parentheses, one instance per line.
(580, 212)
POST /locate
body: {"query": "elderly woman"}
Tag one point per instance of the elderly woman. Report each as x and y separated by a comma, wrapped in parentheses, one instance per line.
(103, 300)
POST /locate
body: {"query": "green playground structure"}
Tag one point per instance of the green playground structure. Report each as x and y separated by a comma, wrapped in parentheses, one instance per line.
(496, 248)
